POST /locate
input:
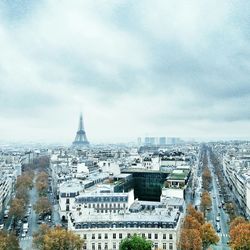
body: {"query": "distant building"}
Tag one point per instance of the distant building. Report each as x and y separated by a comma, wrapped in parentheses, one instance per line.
(150, 141)
(81, 138)
(162, 141)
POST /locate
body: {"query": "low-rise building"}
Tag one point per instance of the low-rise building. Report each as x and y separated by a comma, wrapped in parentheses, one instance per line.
(156, 221)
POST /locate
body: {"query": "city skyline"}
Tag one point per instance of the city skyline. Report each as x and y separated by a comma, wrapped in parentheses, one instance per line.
(131, 72)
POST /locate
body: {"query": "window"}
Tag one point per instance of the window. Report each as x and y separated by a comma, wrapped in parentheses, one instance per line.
(84, 246)
(156, 246)
(149, 236)
(93, 236)
(170, 236)
(99, 236)
(128, 235)
(120, 236)
(106, 246)
(84, 236)
(99, 246)
(114, 236)
(164, 237)
(114, 245)
(156, 236)
(93, 246)
(67, 207)
(67, 201)
(143, 236)
(170, 246)
(105, 236)
(164, 245)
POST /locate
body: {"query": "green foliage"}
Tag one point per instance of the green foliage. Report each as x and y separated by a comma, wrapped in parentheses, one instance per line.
(135, 242)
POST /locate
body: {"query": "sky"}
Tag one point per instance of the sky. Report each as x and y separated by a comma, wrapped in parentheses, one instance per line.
(134, 68)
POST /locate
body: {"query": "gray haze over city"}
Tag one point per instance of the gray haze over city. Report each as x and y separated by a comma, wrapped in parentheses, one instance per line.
(134, 68)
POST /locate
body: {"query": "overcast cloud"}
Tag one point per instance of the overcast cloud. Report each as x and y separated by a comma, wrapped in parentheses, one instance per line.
(135, 68)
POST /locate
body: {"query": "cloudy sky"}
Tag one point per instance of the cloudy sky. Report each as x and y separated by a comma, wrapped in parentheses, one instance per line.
(134, 68)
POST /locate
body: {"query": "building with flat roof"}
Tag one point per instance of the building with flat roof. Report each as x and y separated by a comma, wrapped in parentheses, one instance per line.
(156, 221)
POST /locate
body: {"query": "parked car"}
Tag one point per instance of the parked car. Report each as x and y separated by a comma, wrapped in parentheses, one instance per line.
(6, 213)
(218, 229)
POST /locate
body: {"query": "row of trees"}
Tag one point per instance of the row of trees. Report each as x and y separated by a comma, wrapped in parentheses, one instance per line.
(206, 202)
(42, 183)
(39, 164)
(206, 178)
(196, 234)
(42, 205)
(56, 239)
(230, 204)
(19, 203)
(240, 234)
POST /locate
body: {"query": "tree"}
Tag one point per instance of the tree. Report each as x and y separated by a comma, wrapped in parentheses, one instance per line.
(238, 220)
(230, 207)
(24, 180)
(17, 208)
(8, 241)
(208, 235)
(135, 242)
(190, 239)
(57, 239)
(42, 206)
(206, 178)
(240, 234)
(206, 201)
(42, 183)
(22, 193)
(38, 237)
(196, 214)
(191, 223)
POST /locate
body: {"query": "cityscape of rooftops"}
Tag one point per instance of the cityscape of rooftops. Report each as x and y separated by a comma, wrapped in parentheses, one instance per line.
(124, 125)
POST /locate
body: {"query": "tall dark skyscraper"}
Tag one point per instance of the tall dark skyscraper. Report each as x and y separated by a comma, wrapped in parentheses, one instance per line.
(81, 138)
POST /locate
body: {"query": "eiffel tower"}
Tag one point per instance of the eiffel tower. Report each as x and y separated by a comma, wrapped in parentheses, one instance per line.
(81, 138)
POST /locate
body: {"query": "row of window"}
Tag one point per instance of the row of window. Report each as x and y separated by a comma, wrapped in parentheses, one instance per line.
(125, 224)
(101, 246)
(102, 199)
(155, 236)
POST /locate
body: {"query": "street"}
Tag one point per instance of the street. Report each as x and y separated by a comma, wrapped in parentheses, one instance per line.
(216, 211)
(26, 242)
